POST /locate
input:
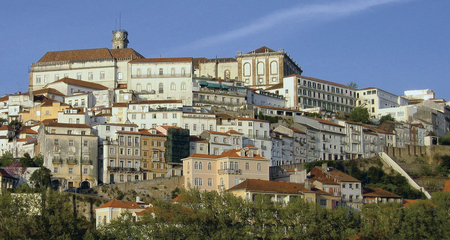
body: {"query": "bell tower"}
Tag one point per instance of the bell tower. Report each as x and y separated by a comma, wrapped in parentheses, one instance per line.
(120, 39)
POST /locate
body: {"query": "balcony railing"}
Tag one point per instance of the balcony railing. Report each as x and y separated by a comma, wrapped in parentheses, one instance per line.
(156, 159)
(229, 171)
(72, 161)
(57, 161)
(86, 162)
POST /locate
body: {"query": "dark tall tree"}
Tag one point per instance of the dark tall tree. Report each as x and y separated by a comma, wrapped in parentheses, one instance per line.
(385, 118)
(353, 85)
(359, 114)
(41, 178)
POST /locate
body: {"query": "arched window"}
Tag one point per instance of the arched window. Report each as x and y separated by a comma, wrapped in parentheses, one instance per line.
(149, 87)
(138, 72)
(236, 165)
(138, 87)
(188, 167)
(196, 165)
(173, 87)
(247, 69)
(274, 67)
(209, 165)
(200, 165)
(172, 71)
(231, 165)
(161, 71)
(221, 165)
(227, 74)
(260, 68)
(247, 166)
(221, 181)
(258, 167)
(161, 88)
(149, 72)
(183, 72)
(183, 86)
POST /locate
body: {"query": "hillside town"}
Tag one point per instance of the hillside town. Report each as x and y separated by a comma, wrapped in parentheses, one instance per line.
(246, 125)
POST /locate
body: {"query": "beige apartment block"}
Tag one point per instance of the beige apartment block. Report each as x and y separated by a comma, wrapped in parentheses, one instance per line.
(221, 172)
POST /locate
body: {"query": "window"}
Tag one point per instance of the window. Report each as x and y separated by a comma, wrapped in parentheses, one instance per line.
(90, 76)
(161, 71)
(79, 76)
(183, 86)
(210, 182)
(161, 88)
(55, 169)
(85, 143)
(172, 87)
(120, 75)
(38, 79)
(85, 171)
(258, 167)
(200, 165)
(71, 170)
(247, 166)
(209, 165)
(56, 142)
(69, 132)
(70, 142)
(102, 75)
(111, 150)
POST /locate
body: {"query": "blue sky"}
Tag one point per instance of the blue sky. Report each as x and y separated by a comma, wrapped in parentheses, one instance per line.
(394, 45)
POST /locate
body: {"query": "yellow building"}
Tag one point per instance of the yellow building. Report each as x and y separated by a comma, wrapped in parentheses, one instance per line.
(153, 153)
(220, 172)
(48, 109)
(282, 192)
(114, 208)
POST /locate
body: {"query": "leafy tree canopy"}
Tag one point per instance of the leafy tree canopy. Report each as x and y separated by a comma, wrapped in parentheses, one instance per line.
(360, 114)
(41, 178)
(385, 118)
(6, 159)
(353, 85)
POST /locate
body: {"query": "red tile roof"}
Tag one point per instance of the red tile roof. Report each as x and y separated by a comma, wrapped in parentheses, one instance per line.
(81, 83)
(154, 101)
(141, 60)
(196, 139)
(90, 54)
(48, 91)
(229, 153)
(378, 192)
(250, 119)
(119, 204)
(276, 86)
(262, 49)
(273, 187)
(331, 174)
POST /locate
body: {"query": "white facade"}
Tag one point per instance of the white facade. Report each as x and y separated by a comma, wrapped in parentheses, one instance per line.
(375, 99)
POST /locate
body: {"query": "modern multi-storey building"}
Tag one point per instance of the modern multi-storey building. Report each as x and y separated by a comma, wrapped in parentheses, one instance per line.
(375, 99)
(307, 92)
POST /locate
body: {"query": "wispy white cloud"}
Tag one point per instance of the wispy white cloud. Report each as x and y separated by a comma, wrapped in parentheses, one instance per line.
(299, 14)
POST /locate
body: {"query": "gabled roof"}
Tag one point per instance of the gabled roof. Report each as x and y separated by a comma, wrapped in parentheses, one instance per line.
(262, 49)
(48, 91)
(53, 123)
(5, 127)
(378, 192)
(331, 174)
(276, 86)
(323, 121)
(229, 153)
(27, 130)
(256, 185)
(50, 102)
(81, 83)
(119, 204)
(196, 139)
(90, 54)
(154, 101)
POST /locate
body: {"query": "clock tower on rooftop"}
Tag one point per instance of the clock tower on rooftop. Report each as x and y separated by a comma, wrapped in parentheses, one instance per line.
(120, 39)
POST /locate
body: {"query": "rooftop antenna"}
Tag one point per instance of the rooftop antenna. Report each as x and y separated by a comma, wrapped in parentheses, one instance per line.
(120, 20)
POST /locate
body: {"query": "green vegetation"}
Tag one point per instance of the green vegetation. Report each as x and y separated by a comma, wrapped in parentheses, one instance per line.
(213, 215)
(271, 119)
(385, 118)
(359, 114)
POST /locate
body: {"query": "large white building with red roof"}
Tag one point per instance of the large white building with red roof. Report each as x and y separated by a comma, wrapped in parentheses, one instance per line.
(220, 172)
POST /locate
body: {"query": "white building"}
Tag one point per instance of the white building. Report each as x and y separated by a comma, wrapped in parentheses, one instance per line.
(375, 99)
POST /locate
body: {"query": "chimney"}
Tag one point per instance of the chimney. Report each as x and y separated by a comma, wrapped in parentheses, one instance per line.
(324, 167)
(308, 183)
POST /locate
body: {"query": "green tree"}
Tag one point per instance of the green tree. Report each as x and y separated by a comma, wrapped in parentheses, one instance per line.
(385, 118)
(353, 85)
(359, 114)
(27, 161)
(41, 178)
(38, 160)
(6, 159)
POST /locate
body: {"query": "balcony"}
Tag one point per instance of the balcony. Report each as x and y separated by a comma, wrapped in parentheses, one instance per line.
(86, 162)
(57, 161)
(229, 171)
(156, 159)
(72, 161)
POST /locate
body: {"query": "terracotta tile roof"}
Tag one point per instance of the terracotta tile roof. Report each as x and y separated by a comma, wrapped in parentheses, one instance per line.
(27, 130)
(297, 130)
(4, 98)
(142, 60)
(331, 174)
(81, 83)
(323, 121)
(408, 202)
(49, 102)
(154, 101)
(67, 125)
(124, 105)
(322, 81)
(196, 139)
(24, 139)
(128, 132)
(147, 132)
(378, 192)
(276, 86)
(256, 185)
(262, 49)
(229, 153)
(119, 204)
(90, 54)
(221, 133)
(48, 91)
(447, 186)
(5, 127)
